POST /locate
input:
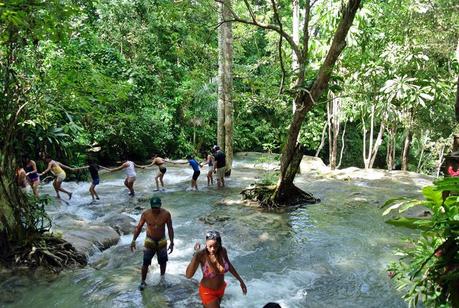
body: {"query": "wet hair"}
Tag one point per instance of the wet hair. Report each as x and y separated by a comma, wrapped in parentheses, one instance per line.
(214, 235)
(189, 157)
(272, 305)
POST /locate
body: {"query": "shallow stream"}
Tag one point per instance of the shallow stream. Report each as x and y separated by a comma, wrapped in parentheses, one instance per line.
(331, 254)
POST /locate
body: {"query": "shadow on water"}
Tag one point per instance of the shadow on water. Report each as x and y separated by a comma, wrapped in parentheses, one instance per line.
(331, 254)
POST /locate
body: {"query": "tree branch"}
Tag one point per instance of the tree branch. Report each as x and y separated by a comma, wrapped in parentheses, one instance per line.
(255, 22)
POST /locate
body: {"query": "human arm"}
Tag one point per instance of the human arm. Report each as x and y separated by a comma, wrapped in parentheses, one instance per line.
(195, 261)
(104, 168)
(178, 162)
(124, 165)
(80, 168)
(65, 166)
(170, 231)
(46, 170)
(233, 271)
(139, 166)
(137, 231)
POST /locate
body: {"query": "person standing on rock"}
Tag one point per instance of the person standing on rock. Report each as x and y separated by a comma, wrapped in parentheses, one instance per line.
(155, 241)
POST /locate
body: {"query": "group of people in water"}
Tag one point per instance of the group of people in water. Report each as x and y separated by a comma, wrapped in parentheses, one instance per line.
(28, 175)
(213, 257)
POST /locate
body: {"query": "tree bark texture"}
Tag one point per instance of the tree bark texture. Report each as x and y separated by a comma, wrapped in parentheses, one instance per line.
(305, 100)
(295, 36)
(390, 154)
(221, 80)
(333, 111)
(406, 149)
(225, 85)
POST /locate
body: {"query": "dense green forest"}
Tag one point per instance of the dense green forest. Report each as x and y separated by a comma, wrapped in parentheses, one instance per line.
(139, 77)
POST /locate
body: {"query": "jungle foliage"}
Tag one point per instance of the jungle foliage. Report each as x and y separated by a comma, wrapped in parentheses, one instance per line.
(428, 270)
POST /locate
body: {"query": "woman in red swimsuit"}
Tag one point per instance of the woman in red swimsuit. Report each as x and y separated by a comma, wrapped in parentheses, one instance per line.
(214, 264)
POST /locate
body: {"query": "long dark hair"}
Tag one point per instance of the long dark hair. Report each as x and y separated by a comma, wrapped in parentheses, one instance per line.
(214, 235)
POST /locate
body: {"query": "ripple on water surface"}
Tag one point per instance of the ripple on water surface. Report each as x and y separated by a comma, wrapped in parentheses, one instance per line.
(331, 254)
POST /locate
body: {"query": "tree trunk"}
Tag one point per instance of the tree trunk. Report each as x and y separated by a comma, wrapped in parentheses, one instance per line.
(457, 85)
(322, 140)
(424, 136)
(374, 150)
(221, 79)
(296, 37)
(457, 99)
(440, 160)
(367, 155)
(225, 84)
(406, 149)
(342, 146)
(390, 154)
(334, 118)
(306, 99)
(228, 88)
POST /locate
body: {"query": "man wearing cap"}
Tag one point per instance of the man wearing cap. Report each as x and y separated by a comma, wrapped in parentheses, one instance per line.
(155, 241)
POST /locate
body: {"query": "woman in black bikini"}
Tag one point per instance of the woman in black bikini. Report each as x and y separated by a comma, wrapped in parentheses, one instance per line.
(161, 163)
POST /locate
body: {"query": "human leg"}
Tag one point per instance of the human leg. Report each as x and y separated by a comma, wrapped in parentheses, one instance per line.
(56, 187)
(162, 260)
(35, 188)
(59, 181)
(157, 181)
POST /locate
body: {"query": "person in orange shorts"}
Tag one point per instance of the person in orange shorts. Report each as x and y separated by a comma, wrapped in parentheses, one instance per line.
(214, 264)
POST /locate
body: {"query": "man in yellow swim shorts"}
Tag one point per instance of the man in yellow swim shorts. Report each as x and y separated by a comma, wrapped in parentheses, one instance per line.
(155, 241)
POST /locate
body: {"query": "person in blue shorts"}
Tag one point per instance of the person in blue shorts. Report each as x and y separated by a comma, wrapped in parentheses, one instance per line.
(196, 172)
(93, 168)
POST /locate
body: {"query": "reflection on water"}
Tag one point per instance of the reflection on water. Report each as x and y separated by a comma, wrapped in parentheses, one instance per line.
(331, 254)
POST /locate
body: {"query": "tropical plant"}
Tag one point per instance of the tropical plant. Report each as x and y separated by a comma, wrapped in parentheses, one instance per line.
(428, 270)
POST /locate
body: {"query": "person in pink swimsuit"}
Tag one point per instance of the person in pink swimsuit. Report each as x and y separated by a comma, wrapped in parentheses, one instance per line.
(214, 264)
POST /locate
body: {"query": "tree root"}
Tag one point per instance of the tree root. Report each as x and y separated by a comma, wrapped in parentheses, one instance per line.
(46, 251)
(263, 196)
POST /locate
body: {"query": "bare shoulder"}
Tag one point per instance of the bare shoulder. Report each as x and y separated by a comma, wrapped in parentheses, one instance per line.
(146, 214)
(166, 213)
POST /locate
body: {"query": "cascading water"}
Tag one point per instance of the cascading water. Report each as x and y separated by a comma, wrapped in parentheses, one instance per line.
(331, 254)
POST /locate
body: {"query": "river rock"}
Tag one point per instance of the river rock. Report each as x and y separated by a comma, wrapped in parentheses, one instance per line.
(212, 219)
(86, 237)
(123, 224)
(311, 163)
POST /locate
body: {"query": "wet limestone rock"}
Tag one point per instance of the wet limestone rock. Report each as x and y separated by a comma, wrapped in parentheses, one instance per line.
(86, 237)
(123, 224)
